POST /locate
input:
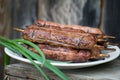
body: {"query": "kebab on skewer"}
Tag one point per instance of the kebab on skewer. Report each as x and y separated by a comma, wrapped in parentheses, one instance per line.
(53, 25)
(64, 37)
(60, 38)
(67, 54)
(101, 37)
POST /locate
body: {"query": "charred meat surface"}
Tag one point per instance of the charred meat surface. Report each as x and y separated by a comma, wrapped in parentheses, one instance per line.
(63, 53)
(51, 36)
(75, 27)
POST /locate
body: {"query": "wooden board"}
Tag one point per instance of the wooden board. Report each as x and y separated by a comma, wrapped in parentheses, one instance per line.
(107, 71)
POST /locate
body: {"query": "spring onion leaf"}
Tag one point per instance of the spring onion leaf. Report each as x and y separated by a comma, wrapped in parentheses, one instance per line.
(33, 45)
(16, 47)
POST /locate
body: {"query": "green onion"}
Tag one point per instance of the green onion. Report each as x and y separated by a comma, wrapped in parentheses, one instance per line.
(14, 46)
(33, 45)
(46, 64)
(7, 60)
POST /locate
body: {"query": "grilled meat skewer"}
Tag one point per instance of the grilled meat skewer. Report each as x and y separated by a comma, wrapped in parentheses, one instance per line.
(67, 54)
(60, 38)
(64, 54)
(101, 37)
(76, 28)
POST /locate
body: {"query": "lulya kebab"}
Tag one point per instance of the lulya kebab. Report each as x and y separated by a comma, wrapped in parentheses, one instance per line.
(53, 25)
(75, 39)
(62, 53)
(60, 38)
(67, 54)
(101, 37)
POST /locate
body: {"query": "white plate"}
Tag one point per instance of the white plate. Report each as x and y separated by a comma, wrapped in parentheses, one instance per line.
(113, 55)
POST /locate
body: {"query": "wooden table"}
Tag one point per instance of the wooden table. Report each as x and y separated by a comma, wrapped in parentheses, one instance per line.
(106, 71)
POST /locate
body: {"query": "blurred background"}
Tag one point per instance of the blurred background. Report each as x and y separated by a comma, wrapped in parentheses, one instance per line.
(103, 14)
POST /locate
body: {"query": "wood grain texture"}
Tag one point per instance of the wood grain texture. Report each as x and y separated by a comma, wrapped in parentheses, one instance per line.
(112, 19)
(107, 71)
(4, 29)
(23, 71)
(23, 13)
(4, 17)
(83, 12)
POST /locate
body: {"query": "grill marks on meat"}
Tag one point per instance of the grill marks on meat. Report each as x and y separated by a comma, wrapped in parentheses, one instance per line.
(57, 37)
(63, 53)
(54, 25)
(75, 28)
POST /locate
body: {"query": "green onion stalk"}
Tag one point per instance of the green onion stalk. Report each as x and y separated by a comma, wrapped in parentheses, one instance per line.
(7, 60)
(15, 45)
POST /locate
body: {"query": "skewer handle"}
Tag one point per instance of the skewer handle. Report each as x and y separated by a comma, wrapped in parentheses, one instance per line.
(19, 30)
(100, 47)
(101, 40)
(104, 55)
(109, 37)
